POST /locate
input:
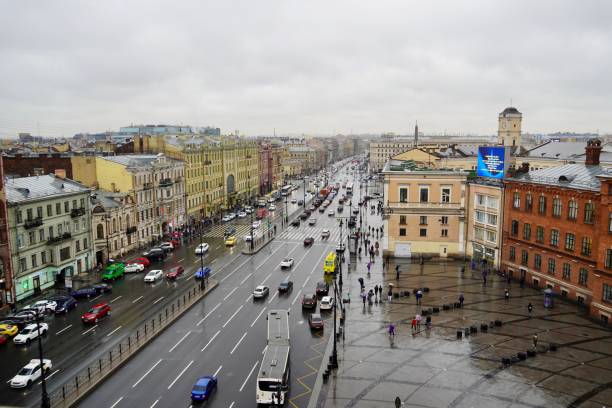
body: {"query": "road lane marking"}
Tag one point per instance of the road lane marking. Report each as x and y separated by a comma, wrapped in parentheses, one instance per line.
(296, 297)
(144, 375)
(247, 378)
(181, 260)
(155, 403)
(179, 342)
(217, 372)
(63, 330)
(217, 247)
(117, 298)
(208, 314)
(273, 296)
(180, 374)
(99, 296)
(234, 271)
(305, 282)
(258, 316)
(211, 340)
(158, 300)
(111, 333)
(47, 376)
(237, 344)
(231, 405)
(269, 256)
(116, 402)
(267, 277)
(246, 277)
(264, 350)
(137, 299)
(232, 316)
(87, 331)
(229, 294)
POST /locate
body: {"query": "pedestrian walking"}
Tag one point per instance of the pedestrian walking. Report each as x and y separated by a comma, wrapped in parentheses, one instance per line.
(390, 295)
(484, 278)
(461, 299)
(376, 292)
(419, 295)
(418, 318)
(363, 297)
(507, 294)
(535, 341)
(428, 322)
(369, 266)
(529, 309)
(509, 280)
(413, 324)
(391, 330)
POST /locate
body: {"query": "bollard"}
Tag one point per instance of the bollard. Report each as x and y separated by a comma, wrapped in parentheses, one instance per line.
(153, 324)
(110, 355)
(76, 382)
(137, 334)
(166, 313)
(145, 330)
(88, 373)
(63, 391)
(129, 341)
(120, 352)
(100, 364)
(183, 299)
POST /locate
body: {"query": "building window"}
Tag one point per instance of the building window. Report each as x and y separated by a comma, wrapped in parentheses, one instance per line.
(527, 231)
(480, 216)
(524, 257)
(43, 257)
(554, 238)
(66, 206)
(606, 294)
(49, 210)
(514, 230)
(444, 232)
(570, 241)
(446, 192)
(542, 205)
(402, 232)
(608, 261)
(64, 253)
(480, 199)
(23, 264)
(491, 235)
(423, 220)
(78, 245)
(492, 219)
(34, 261)
(512, 254)
(424, 194)
(528, 202)
(588, 213)
(567, 271)
(479, 234)
(572, 210)
(557, 207)
(610, 222)
(551, 266)
(402, 220)
(492, 202)
(403, 194)
(586, 246)
(540, 234)
(423, 232)
(516, 200)
(537, 262)
(444, 220)
(583, 276)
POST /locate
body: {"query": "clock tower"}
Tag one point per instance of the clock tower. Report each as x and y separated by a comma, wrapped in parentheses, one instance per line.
(509, 127)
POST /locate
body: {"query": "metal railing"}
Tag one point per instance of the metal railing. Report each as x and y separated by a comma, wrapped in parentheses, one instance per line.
(70, 392)
(33, 223)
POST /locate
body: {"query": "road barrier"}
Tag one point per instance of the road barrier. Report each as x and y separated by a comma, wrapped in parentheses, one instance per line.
(85, 381)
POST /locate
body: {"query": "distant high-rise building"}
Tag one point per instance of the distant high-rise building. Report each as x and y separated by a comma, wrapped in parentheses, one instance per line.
(509, 127)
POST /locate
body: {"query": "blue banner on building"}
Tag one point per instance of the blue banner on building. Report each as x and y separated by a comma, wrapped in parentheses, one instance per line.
(491, 161)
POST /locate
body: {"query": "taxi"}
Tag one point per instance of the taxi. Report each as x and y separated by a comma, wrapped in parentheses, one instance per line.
(329, 265)
(230, 241)
(9, 329)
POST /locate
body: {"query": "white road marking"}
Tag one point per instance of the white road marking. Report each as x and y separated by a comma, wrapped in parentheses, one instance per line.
(208, 314)
(273, 296)
(144, 375)
(267, 277)
(269, 256)
(111, 333)
(47, 376)
(248, 298)
(179, 342)
(155, 403)
(246, 277)
(116, 402)
(247, 378)
(196, 261)
(229, 294)
(234, 271)
(211, 340)
(180, 374)
(306, 282)
(137, 299)
(181, 260)
(231, 405)
(296, 297)
(232, 316)
(264, 350)
(117, 298)
(159, 300)
(258, 316)
(217, 372)
(64, 329)
(237, 344)
(99, 296)
(87, 331)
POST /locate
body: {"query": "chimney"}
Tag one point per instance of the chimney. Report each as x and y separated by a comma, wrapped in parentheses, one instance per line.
(592, 150)
(60, 173)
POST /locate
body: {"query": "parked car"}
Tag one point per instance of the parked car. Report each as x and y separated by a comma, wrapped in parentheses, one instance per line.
(43, 306)
(142, 260)
(203, 388)
(30, 373)
(300, 202)
(84, 293)
(153, 275)
(14, 321)
(285, 286)
(308, 241)
(203, 272)
(167, 246)
(175, 272)
(322, 288)
(27, 315)
(309, 301)
(321, 209)
(97, 312)
(8, 329)
(272, 207)
(113, 272)
(261, 292)
(315, 321)
(102, 288)
(202, 248)
(242, 214)
(30, 332)
(155, 254)
(134, 267)
(286, 263)
(64, 304)
(327, 302)
(293, 201)
(304, 216)
(248, 209)
(231, 215)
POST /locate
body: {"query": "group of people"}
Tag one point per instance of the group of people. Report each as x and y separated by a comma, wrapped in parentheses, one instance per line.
(376, 293)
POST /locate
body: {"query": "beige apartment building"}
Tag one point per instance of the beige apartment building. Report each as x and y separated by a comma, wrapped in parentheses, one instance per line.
(424, 211)
(484, 223)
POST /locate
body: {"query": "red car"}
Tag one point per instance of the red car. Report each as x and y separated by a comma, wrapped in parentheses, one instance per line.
(143, 261)
(176, 242)
(96, 313)
(3, 339)
(175, 272)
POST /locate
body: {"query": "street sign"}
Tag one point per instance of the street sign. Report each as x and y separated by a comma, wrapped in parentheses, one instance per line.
(68, 282)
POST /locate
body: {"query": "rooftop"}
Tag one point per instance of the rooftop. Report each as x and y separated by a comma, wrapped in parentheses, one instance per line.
(410, 166)
(24, 189)
(140, 160)
(566, 151)
(573, 176)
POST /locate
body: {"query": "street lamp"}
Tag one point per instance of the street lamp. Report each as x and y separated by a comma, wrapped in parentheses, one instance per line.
(45, 402)
(202, 283)
(252, 238)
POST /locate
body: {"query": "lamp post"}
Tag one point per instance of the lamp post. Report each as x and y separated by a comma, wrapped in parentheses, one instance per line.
(286, 208)
(202, 283)
(252, 238)
(45, 402)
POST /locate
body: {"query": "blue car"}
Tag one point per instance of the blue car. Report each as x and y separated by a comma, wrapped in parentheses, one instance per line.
(203, 388)
(84, 293)
(203, 272)
(64, 304)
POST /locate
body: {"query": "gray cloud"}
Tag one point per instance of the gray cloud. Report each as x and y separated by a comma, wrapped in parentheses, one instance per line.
(311, 67)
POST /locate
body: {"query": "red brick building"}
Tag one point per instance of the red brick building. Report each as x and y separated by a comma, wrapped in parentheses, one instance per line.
(557, 231)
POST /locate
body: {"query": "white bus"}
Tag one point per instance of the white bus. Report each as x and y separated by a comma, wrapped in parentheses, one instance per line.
(274, 372)
(349, 189)
(286, 190)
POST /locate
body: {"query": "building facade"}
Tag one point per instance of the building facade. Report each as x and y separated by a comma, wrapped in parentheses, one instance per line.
(424, 211)
(484, 221)
(49, 220)
(6, 275)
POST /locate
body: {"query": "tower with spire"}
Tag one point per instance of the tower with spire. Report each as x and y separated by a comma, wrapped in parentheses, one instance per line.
(509, 127)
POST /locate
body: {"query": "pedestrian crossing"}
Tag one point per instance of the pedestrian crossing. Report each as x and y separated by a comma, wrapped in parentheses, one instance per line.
(218, 231)
(298, 234)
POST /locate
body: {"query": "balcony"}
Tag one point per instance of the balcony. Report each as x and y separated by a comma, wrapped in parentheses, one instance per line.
(147, 186)
(33, 223)
(165, 182)
(77, 212)
(60, 238)
(423, 205)
(131, 230)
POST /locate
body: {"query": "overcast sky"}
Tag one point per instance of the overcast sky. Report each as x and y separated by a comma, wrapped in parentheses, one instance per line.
(305, 66)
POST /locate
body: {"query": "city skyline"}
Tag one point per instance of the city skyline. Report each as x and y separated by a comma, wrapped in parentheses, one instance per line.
(309, 68)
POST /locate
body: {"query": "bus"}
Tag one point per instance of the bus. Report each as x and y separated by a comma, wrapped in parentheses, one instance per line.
(349, 189)
(329, 265)
(286, 190)
(275, 369)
